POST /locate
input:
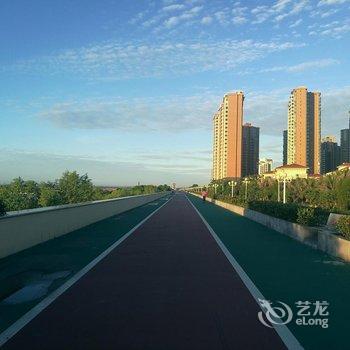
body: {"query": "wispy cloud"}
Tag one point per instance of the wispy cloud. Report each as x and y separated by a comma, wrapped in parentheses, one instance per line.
(170, 114)
(279, 11)
(130, 60)
(304, 66)
(331, 2)
(336, 29)
(173, 7)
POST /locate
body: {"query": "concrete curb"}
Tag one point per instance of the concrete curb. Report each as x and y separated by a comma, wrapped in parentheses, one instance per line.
(317, 238)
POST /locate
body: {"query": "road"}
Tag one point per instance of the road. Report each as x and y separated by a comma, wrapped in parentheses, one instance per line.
(167, 286)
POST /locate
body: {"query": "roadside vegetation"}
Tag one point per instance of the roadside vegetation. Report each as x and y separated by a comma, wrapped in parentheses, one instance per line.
(68, 189)
(309, 201)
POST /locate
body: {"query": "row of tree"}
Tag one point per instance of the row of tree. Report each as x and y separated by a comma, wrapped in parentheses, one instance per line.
(331, 192)
(69, 188)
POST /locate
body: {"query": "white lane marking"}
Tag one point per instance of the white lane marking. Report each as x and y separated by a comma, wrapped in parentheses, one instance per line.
(285, 334)
(26, 318)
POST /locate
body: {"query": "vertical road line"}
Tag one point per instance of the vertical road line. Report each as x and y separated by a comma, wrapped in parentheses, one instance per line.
(282, 330)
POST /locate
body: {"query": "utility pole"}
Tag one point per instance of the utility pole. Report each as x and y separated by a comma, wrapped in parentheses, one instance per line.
(278, 191)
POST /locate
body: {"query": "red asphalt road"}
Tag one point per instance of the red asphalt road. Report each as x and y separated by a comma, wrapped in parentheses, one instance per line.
(167, 286)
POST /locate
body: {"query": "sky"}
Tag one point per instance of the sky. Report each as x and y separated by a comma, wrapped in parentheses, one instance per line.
(125, 90)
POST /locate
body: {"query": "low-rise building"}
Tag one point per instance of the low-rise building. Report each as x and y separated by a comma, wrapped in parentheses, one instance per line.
(344, 166)
(291, 171)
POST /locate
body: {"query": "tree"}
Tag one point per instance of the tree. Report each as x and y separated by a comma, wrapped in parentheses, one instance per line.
(2, 208)
(20, 195)
(74, 188)
(49, 195)
(343, 194)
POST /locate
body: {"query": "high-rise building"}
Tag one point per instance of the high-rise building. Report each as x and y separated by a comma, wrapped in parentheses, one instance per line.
(330, 154)
(227, 145)
(304, 129)
(285, 146)
(250, 150)
(345, 144)
(265, 166)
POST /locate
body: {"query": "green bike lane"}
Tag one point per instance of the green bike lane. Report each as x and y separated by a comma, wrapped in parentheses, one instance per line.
(288, 271)
(27, 277)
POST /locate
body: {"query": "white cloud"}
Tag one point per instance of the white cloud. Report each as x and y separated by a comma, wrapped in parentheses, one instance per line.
(174, 7)
(301, 67)
(206, 20)
(171, 114)
(279, 11)
(129, 60)
(239, 20)
(335, 29)
(184, 16)
(331, 2)
(296, 23)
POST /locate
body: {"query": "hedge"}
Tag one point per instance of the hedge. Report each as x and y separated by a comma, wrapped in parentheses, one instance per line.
(343, 226)
(291, 212)
(2, 208)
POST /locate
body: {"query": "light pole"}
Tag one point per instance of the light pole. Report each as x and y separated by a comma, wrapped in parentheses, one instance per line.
(215, 187)
(232, 184)
(278, 191)
(246, 188)
(284, 190)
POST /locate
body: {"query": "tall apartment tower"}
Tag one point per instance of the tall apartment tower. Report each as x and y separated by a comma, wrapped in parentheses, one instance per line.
(250, 150)
(227, 145)
(330, 154)
(285, 146)
(304, 129)
(345, 144)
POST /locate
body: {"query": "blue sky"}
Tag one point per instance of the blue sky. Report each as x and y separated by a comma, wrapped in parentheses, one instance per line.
(125, 90)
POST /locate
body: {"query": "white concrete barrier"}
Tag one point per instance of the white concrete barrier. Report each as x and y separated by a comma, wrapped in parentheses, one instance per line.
(318, 238)
(26, 228)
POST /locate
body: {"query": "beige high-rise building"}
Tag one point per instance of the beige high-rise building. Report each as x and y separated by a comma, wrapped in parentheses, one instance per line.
(227, 147)
(304, 129)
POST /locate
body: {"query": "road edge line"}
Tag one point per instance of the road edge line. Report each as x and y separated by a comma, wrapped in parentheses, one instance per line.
(12, 330)
(283, 331)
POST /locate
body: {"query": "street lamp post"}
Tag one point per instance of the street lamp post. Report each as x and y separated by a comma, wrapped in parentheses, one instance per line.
(246, 188)
(278, 191)
(284, 191)
(232, 184)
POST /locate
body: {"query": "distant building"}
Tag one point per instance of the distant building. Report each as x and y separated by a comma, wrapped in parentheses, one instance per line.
(227, 143)
(330, 154)
(285, 146)
(304, 129)
(344, 166)
(265, 166)
(291, 171)
(345, 144)
(250, 150)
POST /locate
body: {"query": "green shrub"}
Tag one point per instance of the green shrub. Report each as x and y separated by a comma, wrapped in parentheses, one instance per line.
(343, 226)
(343, 194)
(312, 216)
(279, 210)
(2, 208)
(291, 212)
